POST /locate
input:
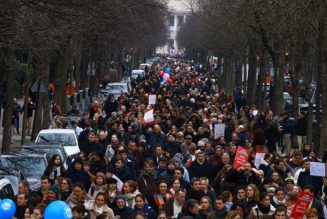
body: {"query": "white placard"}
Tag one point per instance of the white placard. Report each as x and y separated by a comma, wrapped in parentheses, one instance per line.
(148, 117)
(152, 99)
(258, 158)
(219, 130)
(317, 169)
(120, 183)
(255, 112)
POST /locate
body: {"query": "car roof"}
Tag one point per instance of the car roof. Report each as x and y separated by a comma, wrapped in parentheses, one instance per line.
(41, 145)
(23, 153)
(57, 131)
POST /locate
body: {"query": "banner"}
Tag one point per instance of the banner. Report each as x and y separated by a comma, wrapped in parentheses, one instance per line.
(301, 205)
(241, 157)
(148, 117)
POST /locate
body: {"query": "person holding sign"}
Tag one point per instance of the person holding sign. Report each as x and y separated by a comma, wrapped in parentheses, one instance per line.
(305, 178)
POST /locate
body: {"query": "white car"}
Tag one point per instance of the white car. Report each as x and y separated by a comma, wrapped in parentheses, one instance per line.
(138, 73)
(66, 137)
(115, 89)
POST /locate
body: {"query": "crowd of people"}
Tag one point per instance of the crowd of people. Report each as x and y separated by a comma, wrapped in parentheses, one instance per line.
(175, 166)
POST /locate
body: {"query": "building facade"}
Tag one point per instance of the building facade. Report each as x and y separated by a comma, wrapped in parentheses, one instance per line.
(177, 15)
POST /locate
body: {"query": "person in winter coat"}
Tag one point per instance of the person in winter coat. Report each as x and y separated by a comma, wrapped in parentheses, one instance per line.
(220, 211)
(130, 190)
(121, 209)
(98, 185)
(77, 174)
(146, 182)
(205, 207)
(55, 168)
(190, 210)
(142, 206)
(79, 196)
(100, 207)
(306, 179)
(65, 189)
(263, 209)
(200, 167)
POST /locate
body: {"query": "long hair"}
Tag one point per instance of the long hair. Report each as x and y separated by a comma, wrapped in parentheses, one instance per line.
(51, 165)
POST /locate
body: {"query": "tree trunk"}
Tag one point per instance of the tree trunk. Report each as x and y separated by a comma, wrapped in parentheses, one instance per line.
(295, 77)
(278, 104)
(323, 128)
(252, 76)
(261, 95)
(61, 80)
(9, 59)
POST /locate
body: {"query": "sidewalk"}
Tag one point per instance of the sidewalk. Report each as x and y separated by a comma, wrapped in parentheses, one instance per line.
(16, 144)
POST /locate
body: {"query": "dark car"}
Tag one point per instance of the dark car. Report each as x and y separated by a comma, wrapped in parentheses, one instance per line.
(50, 150)
(32, 165)
(14, 176)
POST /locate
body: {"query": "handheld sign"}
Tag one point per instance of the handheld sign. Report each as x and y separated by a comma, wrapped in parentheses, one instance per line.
(148, 117)
(219, 130)
(318, 169)
(242, 156)
(301, 205)
(152, 99)
(258, 158)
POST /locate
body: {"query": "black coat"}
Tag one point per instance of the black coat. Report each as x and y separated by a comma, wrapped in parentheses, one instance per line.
(200, 170)
(79, 176)
(124, 212)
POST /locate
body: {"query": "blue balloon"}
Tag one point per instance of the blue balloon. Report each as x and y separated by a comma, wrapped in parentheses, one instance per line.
(58, 210)
(167, 70)
(7, 209)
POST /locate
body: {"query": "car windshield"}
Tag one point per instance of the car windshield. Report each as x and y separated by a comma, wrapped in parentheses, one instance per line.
(118, 88)
(30, 166)
(65, 139)
(49, 152)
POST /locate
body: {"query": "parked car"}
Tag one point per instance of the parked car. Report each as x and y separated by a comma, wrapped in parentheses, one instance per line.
(115, 89)
(50, 150)
(139, 73)
(66, 137)
(32, 165)
(6, 189)
(14, 176)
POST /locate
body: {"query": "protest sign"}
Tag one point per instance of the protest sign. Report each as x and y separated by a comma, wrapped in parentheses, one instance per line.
(152, 99)
(318, 169)
(241, 157)
(219, 130)
(148, 117)
(258, 158)
(301, 205)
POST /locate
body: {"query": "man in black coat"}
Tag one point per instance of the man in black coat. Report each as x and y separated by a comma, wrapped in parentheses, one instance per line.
(247, 176)
(121, 209)
(200, 167)
(305, 179)
(21, 205)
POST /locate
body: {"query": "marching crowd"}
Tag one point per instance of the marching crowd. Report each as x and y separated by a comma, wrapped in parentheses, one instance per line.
(176, 166)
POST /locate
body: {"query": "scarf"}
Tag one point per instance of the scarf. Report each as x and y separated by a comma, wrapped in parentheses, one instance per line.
(221, 213)
(98, 210)
(263, 209)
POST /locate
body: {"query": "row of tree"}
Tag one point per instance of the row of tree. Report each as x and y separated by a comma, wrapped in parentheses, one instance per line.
(283, 35)
(57, 40)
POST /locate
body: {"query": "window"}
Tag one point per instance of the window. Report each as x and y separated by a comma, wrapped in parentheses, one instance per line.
(7, 192)
(171, 20)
